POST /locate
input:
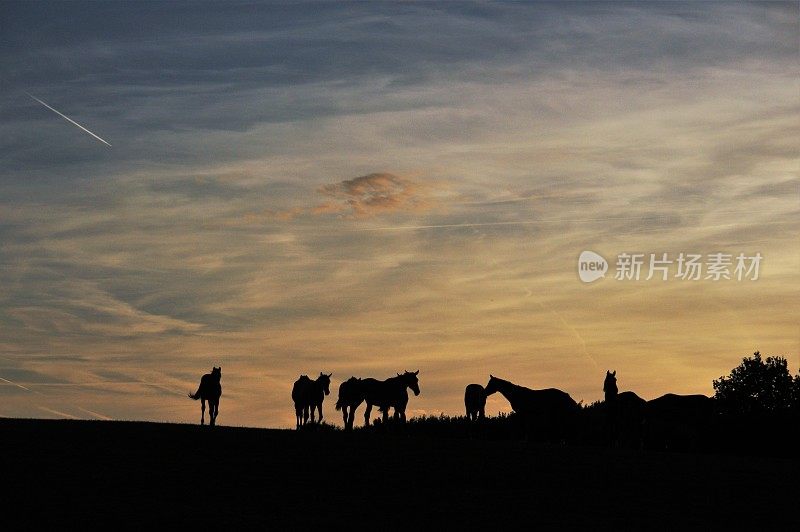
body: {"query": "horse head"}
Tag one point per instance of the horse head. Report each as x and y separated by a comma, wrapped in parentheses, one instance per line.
(325, 381)
(610, 384)
(411, 380)
(217, 372)
(492, 386)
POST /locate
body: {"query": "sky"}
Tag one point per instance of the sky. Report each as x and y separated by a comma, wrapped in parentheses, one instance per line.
(370, 188)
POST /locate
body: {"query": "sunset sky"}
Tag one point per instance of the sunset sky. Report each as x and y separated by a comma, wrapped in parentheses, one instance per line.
(376, 187)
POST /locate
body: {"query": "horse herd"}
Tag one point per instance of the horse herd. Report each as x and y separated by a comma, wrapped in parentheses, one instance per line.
(626, 418)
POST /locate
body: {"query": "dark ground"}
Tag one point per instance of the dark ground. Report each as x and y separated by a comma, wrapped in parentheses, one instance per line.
(75, 473)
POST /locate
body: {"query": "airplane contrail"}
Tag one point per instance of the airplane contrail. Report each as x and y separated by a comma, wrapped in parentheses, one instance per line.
(57, 412)
(65, 117)
(12, 383)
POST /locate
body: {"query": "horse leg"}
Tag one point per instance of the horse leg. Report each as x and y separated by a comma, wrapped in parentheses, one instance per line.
(213, 409)
(202, 411)
(481, 414)
(320, 413)
(386, 415)
(367, 412)
(312, 413)
(351, 418)
(344, 416)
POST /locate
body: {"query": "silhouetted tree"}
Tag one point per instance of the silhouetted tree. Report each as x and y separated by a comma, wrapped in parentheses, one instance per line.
(756, 385)
(796, 398)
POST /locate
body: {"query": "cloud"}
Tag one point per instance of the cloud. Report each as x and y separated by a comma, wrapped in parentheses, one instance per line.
(373, 194)
(362, 197)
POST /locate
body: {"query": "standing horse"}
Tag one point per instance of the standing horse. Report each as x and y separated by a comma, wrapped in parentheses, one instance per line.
(624, 414)
(209, 390)
(351, 395)
(308, 396)
(552, 410)
(390, 393)
(475, 401)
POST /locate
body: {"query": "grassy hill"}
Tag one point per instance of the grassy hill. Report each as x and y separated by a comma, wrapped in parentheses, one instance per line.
(72, 473)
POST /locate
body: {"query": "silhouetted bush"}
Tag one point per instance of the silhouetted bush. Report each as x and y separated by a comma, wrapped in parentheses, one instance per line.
(756, 386)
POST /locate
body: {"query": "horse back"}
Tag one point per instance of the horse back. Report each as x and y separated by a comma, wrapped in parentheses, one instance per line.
(630, 400)
(679, 404)
(474, 396)
(687, 410)
(382, 393)
(553, 398)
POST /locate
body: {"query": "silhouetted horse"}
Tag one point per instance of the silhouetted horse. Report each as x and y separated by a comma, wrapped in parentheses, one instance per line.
(351, 395)
(308, 396)
(475, 401)
(399, 406)
(551, 410)
(209, 390)
(678, 421)
(390, 393)
(624, 414)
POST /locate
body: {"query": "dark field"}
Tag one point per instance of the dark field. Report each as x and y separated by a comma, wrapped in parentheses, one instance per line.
(75, 473)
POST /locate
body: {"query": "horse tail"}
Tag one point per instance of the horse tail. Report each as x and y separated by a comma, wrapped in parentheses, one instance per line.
(339, 404)
(195, 395)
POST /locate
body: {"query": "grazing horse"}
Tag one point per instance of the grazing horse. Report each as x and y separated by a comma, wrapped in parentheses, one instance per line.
(390, 393)
(351, 395)
(475, 401)
(624, 414)
(552, 410)
(678, 421)
(308, 396)
(209, 390)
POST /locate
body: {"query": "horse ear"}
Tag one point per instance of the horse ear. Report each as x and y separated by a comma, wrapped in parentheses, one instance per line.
(416, 372)
(491, 376)
(330, 374)
(614, 374)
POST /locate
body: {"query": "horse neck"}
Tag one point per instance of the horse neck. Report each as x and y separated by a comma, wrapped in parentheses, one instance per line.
(398, 381)
(507, 389)
(317, 385)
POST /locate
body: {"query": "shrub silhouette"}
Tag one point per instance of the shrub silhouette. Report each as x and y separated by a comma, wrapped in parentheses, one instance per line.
(757, 386)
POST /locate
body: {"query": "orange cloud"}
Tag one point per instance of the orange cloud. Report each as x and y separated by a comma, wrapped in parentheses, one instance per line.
(372, 194)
